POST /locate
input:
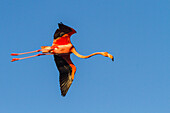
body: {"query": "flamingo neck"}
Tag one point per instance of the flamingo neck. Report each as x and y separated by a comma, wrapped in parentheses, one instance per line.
(88, 56)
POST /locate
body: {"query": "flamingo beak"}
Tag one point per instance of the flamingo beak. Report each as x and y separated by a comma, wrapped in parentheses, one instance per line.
(113, 59)
(110, 56)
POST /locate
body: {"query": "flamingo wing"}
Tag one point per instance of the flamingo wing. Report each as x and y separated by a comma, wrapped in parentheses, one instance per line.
(63, 29)
(66, 70)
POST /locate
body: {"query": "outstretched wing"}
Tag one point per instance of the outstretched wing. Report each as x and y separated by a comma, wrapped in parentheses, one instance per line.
(67, 71)
(63, 29)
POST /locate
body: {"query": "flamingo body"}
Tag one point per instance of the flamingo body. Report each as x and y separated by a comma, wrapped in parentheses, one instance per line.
(61, 49)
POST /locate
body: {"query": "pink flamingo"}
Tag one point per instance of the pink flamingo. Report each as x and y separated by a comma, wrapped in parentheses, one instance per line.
(61, 49)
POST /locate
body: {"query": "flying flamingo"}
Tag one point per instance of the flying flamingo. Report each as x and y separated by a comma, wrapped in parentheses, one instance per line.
(61, 49)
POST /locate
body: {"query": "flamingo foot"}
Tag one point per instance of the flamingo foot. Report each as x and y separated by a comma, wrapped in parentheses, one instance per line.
(14, 59)
(14, 54)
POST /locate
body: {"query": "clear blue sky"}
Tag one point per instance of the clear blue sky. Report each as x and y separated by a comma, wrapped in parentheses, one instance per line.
(136, 32)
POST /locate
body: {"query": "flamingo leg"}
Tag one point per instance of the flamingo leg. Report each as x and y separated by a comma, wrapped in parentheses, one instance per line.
(15, 54)
(16, 59)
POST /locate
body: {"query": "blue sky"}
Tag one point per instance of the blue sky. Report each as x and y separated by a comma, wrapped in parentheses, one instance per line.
(136, 32)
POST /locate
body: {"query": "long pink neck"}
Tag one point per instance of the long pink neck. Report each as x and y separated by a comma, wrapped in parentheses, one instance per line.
(88, 56)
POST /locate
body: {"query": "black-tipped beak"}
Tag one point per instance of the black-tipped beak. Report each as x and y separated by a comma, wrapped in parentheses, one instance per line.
(113, 59)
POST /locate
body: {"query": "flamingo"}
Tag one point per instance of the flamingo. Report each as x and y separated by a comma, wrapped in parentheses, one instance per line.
(61, 49)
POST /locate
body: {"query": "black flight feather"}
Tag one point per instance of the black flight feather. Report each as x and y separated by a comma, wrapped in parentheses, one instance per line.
(65, 74)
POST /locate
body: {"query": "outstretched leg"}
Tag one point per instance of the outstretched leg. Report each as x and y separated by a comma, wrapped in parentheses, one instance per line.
(16, 59)
(15, 54)
(44, 49)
